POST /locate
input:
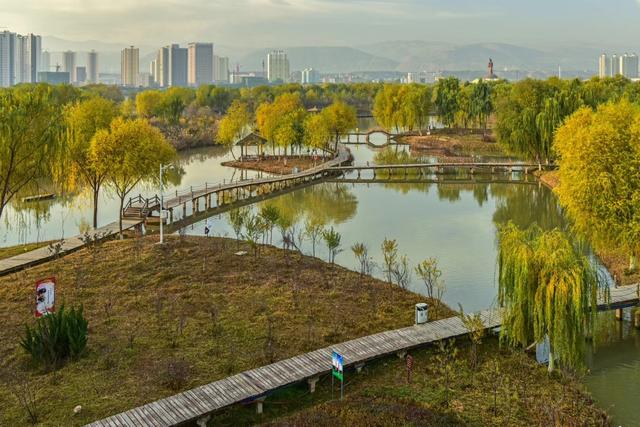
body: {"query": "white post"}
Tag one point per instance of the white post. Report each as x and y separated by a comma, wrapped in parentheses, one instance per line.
(161, 208)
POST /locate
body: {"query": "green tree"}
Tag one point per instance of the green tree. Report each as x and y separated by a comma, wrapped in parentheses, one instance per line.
(84, 119)
(332, 239)
(234, 125)
(481, 104)
(29, 138)
(131, 151)
(600, 175)
(316, 132)
(547, 288)
(340, 119)
(446, 99)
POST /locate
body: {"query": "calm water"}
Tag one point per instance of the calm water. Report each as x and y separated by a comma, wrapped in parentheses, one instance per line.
(453, 221)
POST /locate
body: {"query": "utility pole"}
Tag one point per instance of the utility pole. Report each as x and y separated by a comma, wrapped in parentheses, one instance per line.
(161, 206)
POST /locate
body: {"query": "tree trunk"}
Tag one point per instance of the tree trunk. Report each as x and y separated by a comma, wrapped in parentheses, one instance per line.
(120, 217)
(633, 263)
(96, 192)
(552, 362)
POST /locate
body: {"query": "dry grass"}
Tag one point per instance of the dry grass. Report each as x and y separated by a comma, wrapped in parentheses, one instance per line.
(524, 393)
(164, 319)
(452, 146)
(277, 165)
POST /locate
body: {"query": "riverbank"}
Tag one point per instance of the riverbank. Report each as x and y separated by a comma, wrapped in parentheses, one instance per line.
(506, 387)
(617, 263)
(11, 251)
(278, 165)
(453, 145)
(168, 318)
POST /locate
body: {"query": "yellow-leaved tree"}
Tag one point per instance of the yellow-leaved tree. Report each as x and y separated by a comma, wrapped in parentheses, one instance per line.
(235, 124)
(84, 119)
(340, 119)
(130, 151)
(599, 157)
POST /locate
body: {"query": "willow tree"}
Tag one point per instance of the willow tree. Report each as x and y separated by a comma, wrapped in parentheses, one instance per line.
(234, 125)
(29, 138)
(600, 175)
(547, 288)
(131, 151)
(340, 119)
(83, 120)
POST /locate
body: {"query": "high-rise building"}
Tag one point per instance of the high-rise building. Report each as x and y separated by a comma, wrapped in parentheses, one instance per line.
(629, 66)
(8, 41)
(45, 61)
(614, 64)
(221, 69)
(161, 71)
(69, 64)
(152, 72)
(92, 67)
(603, 66)
(310, 76)
(178, 65)
(200, 63)
(130, 66)
(81, 74)
(277, 66)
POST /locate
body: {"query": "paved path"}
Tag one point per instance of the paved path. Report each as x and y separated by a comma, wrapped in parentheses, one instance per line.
(196, 404)
(43, 254)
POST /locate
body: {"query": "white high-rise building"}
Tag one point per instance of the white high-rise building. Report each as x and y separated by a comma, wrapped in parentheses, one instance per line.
(130, 66)
(200, 63)
(171, 66)
(629, 66)
(221, 69)
(161, 71)
(310, 76)
(603, 66)
(278, 66)
(92, 67)
(614, 64)
(20, 58)
(69, 64)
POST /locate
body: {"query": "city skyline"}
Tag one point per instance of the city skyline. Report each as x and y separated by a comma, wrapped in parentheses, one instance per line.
(328, 22)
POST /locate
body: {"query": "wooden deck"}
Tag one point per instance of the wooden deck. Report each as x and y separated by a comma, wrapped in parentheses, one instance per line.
(41, 255)
(434, 167)
(198, 403)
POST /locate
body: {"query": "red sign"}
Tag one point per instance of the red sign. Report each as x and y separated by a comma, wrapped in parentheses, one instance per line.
(45, 296)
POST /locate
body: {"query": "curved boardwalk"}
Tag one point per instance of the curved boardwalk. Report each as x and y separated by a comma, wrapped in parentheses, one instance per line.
(253, 385)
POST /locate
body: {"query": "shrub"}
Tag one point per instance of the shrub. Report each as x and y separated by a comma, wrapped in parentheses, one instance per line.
(57, 337)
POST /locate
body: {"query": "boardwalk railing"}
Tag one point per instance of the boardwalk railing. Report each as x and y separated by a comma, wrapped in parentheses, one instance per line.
(198, 404)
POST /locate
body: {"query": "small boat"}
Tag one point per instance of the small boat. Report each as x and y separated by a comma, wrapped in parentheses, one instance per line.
(39, 197)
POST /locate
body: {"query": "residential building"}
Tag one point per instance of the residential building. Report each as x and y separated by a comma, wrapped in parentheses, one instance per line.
(629, 66)
(278, 66)
(310, 76)
(614, 69)
(604, 66)
(152, 71)
(171, 66)
(92, 67)
(81, 75)
(161, 71)
(220, 69)
(200, 63)
(69, 64)
(130, 66)
(8, 42)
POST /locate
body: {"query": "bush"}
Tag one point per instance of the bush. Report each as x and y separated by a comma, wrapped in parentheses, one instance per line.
(57, 337)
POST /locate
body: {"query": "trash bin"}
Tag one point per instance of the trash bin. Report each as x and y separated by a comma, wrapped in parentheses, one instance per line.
(422, 313)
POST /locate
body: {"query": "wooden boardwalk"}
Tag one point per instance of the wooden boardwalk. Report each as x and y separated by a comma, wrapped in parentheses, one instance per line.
(436, 167)
(253, 385)
(43, 254)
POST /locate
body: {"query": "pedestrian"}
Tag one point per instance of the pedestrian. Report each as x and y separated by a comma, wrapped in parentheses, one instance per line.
(207, 228)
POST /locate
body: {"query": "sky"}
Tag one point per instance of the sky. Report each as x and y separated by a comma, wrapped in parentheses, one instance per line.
(271, 23)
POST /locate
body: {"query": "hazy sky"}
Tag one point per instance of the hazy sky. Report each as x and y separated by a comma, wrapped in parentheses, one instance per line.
(263, 23)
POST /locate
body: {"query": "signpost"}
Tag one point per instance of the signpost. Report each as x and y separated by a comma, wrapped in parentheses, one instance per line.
(337, 371)
(45, 296)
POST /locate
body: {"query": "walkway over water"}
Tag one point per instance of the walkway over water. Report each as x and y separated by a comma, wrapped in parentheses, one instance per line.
(198, 404)
(44, 254)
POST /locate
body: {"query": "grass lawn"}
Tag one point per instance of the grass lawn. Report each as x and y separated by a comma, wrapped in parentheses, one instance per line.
(166, 319)
(506, 388)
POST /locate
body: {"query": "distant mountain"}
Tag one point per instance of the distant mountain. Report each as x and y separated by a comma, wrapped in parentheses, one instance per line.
(438, 56)
(325, 59)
